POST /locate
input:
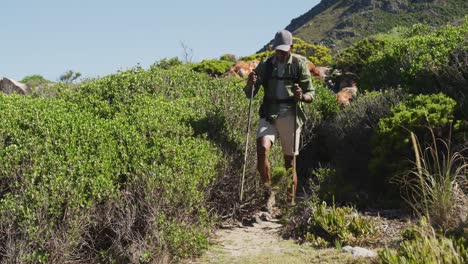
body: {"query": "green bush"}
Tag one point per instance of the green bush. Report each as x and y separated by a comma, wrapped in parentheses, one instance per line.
(325, 185)
(413, 58)
(356, 57)
(35, 80)
(417, 61)
(391, 143)
(325, 105)
(336, 226)
(258, 56)
(319, 55)
(101, 164)
(427, 250)
(168, 63)
(57, 162)
(344, 141)
(453, 78)
(360, 59)
(228, 57)
(212, 67)
(422, 245)
(40, 86)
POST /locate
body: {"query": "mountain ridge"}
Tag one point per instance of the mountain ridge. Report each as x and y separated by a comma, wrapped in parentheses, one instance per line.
(339, 23)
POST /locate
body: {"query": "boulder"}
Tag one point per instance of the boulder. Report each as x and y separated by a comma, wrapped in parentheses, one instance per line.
(344, 97)
(313, 70)
(242, 69)
(347, 89)
(9, 86)
(359, 251)
(324, 72)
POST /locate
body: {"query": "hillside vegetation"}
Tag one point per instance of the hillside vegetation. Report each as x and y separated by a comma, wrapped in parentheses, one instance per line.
(117, 169)
(342, 22)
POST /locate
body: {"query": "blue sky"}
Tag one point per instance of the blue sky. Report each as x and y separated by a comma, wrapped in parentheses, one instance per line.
(100, 37)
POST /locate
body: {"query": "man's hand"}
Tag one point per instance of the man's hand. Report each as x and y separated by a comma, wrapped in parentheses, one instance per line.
(297, 91)
(252, 79)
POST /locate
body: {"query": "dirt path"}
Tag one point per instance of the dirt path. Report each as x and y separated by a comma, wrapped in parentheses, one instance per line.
(260, 242)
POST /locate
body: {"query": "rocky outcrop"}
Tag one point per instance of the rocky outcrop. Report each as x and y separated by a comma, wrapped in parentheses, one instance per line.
(10, 86)
(242, 68)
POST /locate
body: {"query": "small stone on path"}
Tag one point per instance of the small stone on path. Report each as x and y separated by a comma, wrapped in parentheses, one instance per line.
(359, 251)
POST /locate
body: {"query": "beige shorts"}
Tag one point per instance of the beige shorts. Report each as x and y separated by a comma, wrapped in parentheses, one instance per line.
(282, 127)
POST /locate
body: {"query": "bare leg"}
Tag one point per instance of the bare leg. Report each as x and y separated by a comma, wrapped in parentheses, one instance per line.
(263, 166)
(290, 162)
(263, 148)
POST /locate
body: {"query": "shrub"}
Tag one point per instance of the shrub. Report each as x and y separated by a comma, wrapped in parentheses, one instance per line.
(168, 63)
(414, 59)
(212, 67)
(343, 141)
(258, 56)
(317, 54)
(324, 105)
(453, 79)
(91, 173)
(35, 80)
(325, 185)
(42, 87)
(391, 143)
(427, 250)
(57, 162)
(354, 58)
(420, 55)
(425, 246)
(228, 57)
(323, 226)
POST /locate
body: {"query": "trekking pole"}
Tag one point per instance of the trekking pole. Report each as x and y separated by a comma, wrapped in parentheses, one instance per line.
(294, 146)
(247, 141)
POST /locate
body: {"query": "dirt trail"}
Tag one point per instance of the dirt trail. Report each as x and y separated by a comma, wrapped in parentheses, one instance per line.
(260, 242)
(250, 240)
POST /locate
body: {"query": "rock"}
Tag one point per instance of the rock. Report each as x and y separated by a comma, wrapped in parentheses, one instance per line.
(257, 219)
(359, 251)
(266, 216)
(242, 68)
(9, 86)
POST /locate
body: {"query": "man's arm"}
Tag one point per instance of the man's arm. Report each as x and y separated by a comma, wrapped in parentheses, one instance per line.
(304, 91)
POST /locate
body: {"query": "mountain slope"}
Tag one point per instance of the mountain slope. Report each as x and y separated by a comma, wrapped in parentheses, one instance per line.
(340, 22)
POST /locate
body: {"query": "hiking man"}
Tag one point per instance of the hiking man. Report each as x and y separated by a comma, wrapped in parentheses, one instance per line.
(287, 86)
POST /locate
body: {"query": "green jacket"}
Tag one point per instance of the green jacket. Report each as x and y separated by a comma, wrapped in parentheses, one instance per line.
(296, 71)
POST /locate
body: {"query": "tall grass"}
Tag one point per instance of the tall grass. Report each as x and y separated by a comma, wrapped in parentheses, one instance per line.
(436, 187)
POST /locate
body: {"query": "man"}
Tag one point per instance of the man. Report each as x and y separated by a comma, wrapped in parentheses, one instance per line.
(287, 86)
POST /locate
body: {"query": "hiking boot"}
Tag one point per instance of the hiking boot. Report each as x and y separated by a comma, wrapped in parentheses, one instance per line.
(269, 200)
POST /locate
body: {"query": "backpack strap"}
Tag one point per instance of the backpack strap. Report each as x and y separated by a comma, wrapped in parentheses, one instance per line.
(269, 71)
(263, 111)
(295, 69)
